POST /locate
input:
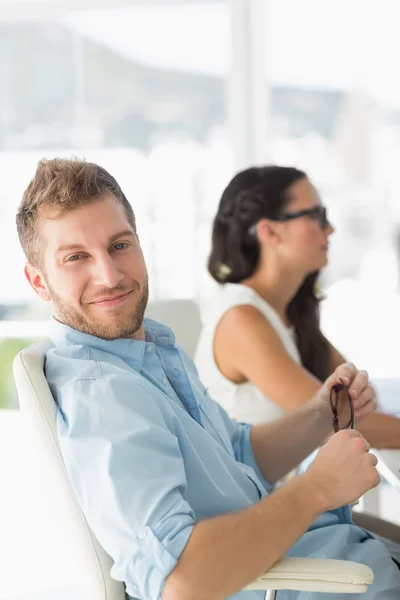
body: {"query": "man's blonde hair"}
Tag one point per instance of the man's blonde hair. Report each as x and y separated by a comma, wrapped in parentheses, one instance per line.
(59, 186)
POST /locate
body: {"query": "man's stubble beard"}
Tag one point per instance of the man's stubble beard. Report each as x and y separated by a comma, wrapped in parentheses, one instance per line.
(124, 326)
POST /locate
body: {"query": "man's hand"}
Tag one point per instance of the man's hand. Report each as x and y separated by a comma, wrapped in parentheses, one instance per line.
(343, 470)
(362, 394)
(293, 437)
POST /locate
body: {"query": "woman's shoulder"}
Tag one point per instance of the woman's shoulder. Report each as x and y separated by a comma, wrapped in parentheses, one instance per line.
(245, 308)
(238, 294)
(235, 295)
(229, 296)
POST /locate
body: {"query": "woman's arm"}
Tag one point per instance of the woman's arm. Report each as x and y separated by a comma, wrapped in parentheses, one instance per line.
(247, 348)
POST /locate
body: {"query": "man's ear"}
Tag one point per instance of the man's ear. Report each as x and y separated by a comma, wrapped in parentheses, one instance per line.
(36, 280)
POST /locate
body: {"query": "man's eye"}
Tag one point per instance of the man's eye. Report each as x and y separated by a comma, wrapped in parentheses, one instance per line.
(74, 258)
(120, 246)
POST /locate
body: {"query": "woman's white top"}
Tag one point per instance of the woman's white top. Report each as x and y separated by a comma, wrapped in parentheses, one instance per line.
(243, 401)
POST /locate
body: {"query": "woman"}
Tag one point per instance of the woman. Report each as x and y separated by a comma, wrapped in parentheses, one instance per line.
(262, 352)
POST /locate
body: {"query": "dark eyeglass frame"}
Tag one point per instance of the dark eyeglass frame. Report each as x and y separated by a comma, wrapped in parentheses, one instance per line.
(334, 401)
(318, 211)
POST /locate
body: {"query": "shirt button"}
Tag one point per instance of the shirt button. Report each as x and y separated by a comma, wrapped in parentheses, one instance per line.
(142, 535)
(149, 348)
(164, 380)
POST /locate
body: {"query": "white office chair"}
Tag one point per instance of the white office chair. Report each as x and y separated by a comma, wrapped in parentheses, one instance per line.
(182, 316)
(39, 409)
(389, 466)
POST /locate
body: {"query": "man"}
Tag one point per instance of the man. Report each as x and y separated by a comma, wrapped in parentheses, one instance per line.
(174, 490)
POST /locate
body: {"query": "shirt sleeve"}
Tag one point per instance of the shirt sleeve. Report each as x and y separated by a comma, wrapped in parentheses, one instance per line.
(127, 470)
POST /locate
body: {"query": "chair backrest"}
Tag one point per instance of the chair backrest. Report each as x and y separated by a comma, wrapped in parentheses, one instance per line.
(39, 411)
(182, 316)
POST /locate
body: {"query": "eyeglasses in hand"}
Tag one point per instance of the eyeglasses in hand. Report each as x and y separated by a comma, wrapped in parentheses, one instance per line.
(334, 399)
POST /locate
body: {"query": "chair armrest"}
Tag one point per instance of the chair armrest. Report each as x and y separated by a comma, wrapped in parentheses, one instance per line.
(315, 575)
(389, 466)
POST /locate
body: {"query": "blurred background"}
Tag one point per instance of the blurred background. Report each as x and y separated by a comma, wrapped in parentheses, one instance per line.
(173, 97)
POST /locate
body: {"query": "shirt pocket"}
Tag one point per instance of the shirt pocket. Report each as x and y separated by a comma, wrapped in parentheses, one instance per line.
(249, 471)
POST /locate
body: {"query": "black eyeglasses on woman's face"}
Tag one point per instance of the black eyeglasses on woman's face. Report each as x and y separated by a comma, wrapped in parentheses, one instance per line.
(334, 398)
(317, 213)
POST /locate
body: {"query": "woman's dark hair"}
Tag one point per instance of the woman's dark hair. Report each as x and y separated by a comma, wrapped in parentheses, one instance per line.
(254, 194)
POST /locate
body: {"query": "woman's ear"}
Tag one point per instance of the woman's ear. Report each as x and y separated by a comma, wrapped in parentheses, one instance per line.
(268, 232)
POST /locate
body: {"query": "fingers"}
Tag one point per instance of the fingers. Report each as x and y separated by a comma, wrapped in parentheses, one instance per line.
(361, 444)
(350, 433)
(364, 398)
(356, 380)
(358, 440)
(362, 395)
(358, 385)
(374, 478)
(361, 392)
(366, 409)
(373, 459)
(346, 372)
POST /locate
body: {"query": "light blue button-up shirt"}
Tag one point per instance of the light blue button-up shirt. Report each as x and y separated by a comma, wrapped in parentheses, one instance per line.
(150, 454)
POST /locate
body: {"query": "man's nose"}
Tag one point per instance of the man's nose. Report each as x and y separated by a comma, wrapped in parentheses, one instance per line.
(106, 273)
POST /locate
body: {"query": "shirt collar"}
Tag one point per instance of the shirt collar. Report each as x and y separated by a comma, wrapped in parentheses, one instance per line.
(125, 348)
